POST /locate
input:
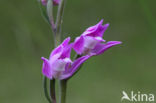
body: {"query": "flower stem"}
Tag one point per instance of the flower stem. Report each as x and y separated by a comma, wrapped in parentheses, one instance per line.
(59, 21)
(56, 28)
(50, 14)
(62, 91)
(45, 89)
(57, 40)
(52, 91)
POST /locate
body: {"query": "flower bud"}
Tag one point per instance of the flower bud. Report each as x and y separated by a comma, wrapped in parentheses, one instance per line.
(55, 2)
(44, 2)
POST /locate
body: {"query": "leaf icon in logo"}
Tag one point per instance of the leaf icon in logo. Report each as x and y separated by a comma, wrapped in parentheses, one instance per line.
(125, 96)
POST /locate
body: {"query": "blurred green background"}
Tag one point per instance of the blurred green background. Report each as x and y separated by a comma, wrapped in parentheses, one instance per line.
(25, 37)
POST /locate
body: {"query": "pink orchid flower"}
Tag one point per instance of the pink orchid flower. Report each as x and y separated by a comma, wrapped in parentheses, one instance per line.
(91, 41)
(59, 65)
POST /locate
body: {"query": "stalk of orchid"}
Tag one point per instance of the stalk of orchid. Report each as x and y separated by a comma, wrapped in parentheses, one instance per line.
(60, 66)
(56, 29)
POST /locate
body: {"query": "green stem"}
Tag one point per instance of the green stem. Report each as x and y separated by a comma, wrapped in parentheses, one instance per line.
(57, 40)
(50, 14)
(76, 56)
(45, 89)
(52, 91)
(59, 20)
(62, 83)
(62, 92)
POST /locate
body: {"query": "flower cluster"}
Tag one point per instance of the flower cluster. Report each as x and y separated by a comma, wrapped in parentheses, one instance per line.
(90, 43)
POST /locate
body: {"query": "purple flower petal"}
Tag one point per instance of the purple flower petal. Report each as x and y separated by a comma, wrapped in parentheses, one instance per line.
(46, 69)
(58, 59)
(74, 67)
(63, 49)
(57, 50)
(66, 48)
(90, 38)
(101, 47)
(90, 31)
(59, 66)
(90, 42)
(96, 30)
(66, 42)
(66, 52)
(79, 45)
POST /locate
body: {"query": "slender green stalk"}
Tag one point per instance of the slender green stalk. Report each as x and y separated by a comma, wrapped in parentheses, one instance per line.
(50, 14)
(59, 21)
(57, 40)
(62, 83)
(76, 56)
(52, 91)
(45, 89)
(56, 28)
(62, 92)
(44, 13)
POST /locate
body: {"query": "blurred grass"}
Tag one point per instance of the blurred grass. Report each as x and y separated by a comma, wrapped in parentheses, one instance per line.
(25, 37)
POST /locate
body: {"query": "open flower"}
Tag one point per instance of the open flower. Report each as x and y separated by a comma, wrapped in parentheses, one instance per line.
(55, 2)
(59, 65)
(91, 41)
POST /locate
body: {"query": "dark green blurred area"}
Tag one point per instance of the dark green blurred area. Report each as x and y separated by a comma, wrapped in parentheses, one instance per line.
(25, 37)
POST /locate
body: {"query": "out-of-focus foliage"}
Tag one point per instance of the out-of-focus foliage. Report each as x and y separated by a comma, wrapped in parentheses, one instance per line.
(25, 37)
